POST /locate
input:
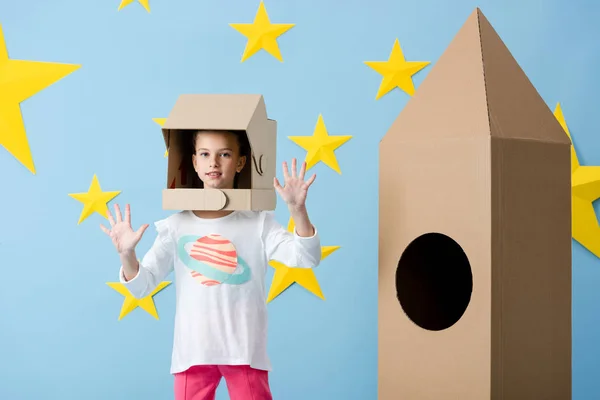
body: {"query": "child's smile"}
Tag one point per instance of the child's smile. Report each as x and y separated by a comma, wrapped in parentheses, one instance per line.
(213, 174)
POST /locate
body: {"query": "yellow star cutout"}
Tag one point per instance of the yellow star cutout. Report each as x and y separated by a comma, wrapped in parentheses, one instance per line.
(320, 146)
(262, 34)
(19, 80)
(94, 200)
(286, 276)
(397, 72)
(585, 189)
(130, 303)
(144, 3)
(161, 122)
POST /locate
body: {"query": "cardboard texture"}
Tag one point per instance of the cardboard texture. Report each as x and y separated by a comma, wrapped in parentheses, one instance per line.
(244, 114)
(475, 234)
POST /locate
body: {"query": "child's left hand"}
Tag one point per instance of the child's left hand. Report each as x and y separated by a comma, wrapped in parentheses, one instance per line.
(295, 189)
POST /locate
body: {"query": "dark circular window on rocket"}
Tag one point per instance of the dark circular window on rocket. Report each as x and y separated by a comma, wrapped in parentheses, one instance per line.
(434, 281)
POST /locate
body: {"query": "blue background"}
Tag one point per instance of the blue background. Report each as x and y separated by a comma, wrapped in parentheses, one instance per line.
(59, 336)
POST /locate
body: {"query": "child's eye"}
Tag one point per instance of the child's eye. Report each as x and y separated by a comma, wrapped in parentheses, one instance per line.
(226, 155)
(203, 154)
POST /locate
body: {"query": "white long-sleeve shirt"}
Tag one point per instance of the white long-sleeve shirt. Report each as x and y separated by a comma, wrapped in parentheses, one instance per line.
(220, 266)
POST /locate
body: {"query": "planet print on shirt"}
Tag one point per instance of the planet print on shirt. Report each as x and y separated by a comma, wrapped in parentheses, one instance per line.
(213, 260)
(217, 252)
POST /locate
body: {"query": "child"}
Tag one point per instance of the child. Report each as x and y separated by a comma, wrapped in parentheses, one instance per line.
(221, 314)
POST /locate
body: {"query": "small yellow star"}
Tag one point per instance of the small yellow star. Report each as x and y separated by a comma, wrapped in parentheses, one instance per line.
(161, 122)
(286, 276)
(320, 146)
(262, 34)
(94, 200)
(19, 80)
(396, 71)
(130, 303)
(585, 189)
(144, 3)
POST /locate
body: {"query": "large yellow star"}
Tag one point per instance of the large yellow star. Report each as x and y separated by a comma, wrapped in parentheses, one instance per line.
(94, 200)
(320, 146)
(262, 34)
(130, 303)
(585, 189)
(161, 122)
(144, 3)
(20, 80)
(396, 71)
(285, 276)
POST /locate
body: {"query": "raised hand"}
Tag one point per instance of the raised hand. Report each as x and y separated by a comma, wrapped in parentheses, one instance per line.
(123, 236)
(295, 188)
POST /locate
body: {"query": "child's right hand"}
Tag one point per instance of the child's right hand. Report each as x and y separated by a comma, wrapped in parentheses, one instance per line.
(123, 236)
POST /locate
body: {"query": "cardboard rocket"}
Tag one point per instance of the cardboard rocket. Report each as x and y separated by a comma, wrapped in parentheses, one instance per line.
(475, 234)
(244, 114)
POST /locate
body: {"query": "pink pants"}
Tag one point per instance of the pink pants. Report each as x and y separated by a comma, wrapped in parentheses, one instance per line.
(243, 382)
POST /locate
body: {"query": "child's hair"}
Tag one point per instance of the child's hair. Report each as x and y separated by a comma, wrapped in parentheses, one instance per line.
(244, 150)
(241, 136)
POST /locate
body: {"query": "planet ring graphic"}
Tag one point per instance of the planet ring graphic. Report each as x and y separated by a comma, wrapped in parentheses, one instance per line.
(208, 271)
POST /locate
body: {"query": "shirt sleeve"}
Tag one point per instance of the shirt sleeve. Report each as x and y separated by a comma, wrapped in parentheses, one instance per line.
(156, 264)
(289, 248)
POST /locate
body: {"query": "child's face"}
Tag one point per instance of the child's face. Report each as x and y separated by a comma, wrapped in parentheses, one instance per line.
(217, 159)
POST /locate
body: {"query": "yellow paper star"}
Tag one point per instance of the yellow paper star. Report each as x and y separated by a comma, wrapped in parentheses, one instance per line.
(144, 3)
(130, 303)
(262, 34)
(20, 80)
(397, 72)
(585, 189)
(161, 122)
(320, 146)
(286, 276)
(94, 200)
